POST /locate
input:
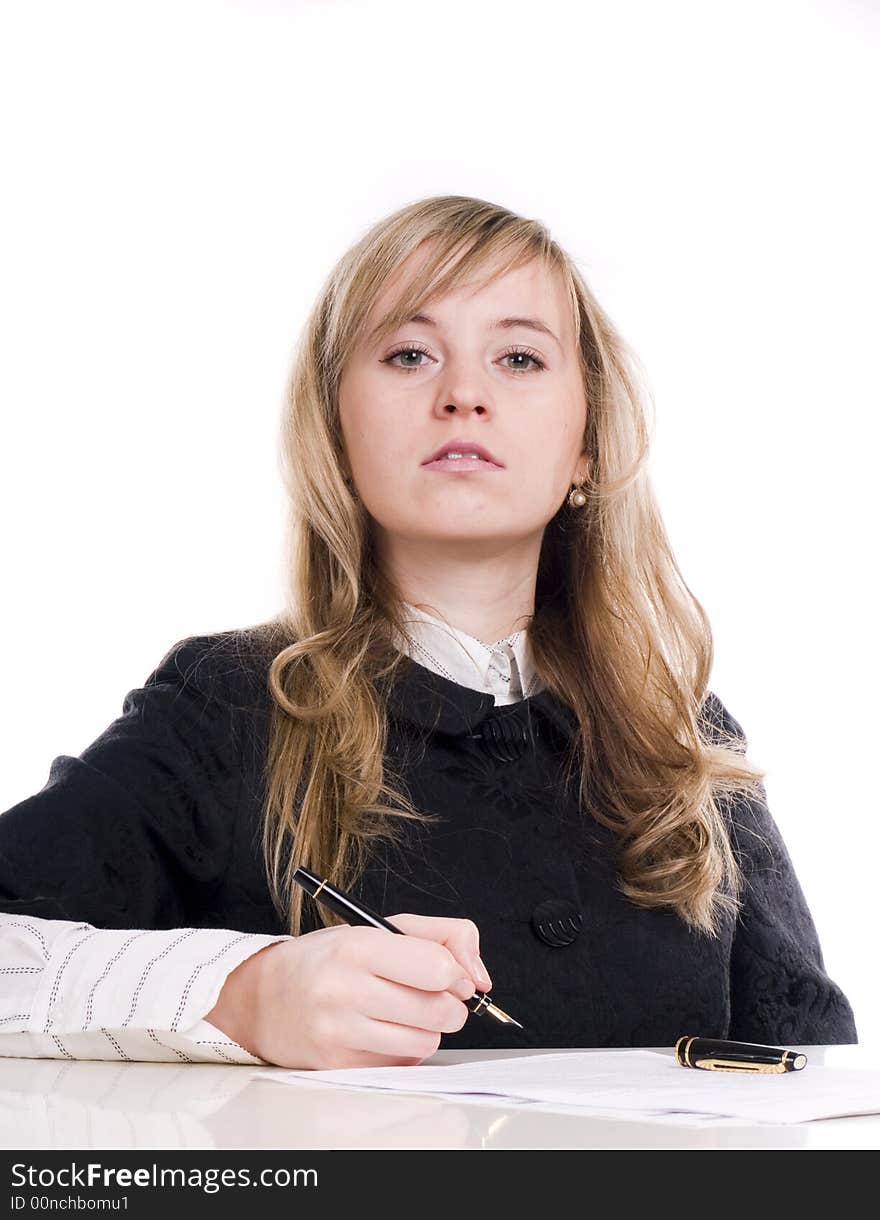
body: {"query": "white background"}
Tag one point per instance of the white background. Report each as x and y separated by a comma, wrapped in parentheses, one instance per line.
(180, 177)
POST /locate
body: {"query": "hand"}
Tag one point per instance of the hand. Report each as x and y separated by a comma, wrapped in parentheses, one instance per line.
(354, 996)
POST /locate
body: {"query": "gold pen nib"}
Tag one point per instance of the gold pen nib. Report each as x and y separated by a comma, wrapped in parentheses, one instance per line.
(500, 1015)
(480, 1004)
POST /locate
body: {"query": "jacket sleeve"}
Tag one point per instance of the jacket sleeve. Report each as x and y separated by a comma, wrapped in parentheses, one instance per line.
(105, 871)
(779, 991)
(136, 831)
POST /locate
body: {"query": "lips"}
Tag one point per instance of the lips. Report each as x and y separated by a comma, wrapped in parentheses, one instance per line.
(459, 445)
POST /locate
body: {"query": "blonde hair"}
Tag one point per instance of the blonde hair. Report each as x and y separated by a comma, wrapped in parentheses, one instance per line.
(616, 634)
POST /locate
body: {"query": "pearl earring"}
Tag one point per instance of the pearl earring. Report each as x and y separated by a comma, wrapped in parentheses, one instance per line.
(576, 498)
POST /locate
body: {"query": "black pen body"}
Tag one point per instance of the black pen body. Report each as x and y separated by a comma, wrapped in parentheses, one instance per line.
(718, 1054)
(355, 913)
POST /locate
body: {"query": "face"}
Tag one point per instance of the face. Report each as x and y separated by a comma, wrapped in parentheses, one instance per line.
(457, 375)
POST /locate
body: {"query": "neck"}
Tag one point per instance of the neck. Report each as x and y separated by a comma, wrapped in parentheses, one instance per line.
(488, 596)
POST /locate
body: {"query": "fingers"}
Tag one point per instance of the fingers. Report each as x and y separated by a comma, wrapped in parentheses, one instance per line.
(460, 938)
(463, 989)
(408, 960)
(434, 1011)
(343, 1028)
(368, 1035)
(351, 1059)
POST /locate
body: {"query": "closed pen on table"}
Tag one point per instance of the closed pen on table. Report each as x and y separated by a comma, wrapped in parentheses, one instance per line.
(717, 1055)
(355, 912)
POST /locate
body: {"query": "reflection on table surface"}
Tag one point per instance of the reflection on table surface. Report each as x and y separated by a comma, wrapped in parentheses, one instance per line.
(49, 1103)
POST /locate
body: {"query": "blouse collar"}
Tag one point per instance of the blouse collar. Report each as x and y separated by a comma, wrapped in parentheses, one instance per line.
(504, 669)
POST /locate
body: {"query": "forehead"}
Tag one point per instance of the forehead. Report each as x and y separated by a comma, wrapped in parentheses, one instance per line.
(531, 289)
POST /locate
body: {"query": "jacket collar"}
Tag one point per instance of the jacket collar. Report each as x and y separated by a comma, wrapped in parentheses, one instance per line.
(427, 699)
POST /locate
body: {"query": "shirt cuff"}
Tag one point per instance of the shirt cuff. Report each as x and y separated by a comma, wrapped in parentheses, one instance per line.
(161, 980)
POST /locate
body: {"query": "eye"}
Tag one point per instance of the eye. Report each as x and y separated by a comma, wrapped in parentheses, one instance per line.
(413, 349)
(529, 354)
(408, 349)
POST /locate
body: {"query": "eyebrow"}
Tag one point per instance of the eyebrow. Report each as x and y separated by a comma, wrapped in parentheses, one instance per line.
(498, 324)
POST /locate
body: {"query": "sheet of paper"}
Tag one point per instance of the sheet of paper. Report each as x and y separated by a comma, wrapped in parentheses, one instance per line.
(635, 1083)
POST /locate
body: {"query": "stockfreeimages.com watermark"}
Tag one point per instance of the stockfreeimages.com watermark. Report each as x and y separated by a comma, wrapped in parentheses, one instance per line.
(210, 1180)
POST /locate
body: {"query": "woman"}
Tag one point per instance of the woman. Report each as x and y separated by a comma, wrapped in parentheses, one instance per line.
(485, 709)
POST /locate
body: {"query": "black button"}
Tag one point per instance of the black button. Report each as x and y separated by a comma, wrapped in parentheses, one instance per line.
(507, 735)
(557, 922)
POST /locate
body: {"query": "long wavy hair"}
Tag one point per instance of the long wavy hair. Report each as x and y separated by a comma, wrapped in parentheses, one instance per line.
(616, 633)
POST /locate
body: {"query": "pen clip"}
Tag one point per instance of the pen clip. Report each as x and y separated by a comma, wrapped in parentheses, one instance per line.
(734, 1065)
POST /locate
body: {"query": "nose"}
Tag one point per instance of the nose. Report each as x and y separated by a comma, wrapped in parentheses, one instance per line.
(463, 387)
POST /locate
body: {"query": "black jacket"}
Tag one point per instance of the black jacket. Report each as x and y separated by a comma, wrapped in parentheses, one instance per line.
(157, 824)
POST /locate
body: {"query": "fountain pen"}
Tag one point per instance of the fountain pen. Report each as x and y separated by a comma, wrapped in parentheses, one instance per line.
(717, 1055)
(354, 912)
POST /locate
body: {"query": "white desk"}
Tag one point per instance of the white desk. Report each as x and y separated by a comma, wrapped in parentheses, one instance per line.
(59, 1104)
